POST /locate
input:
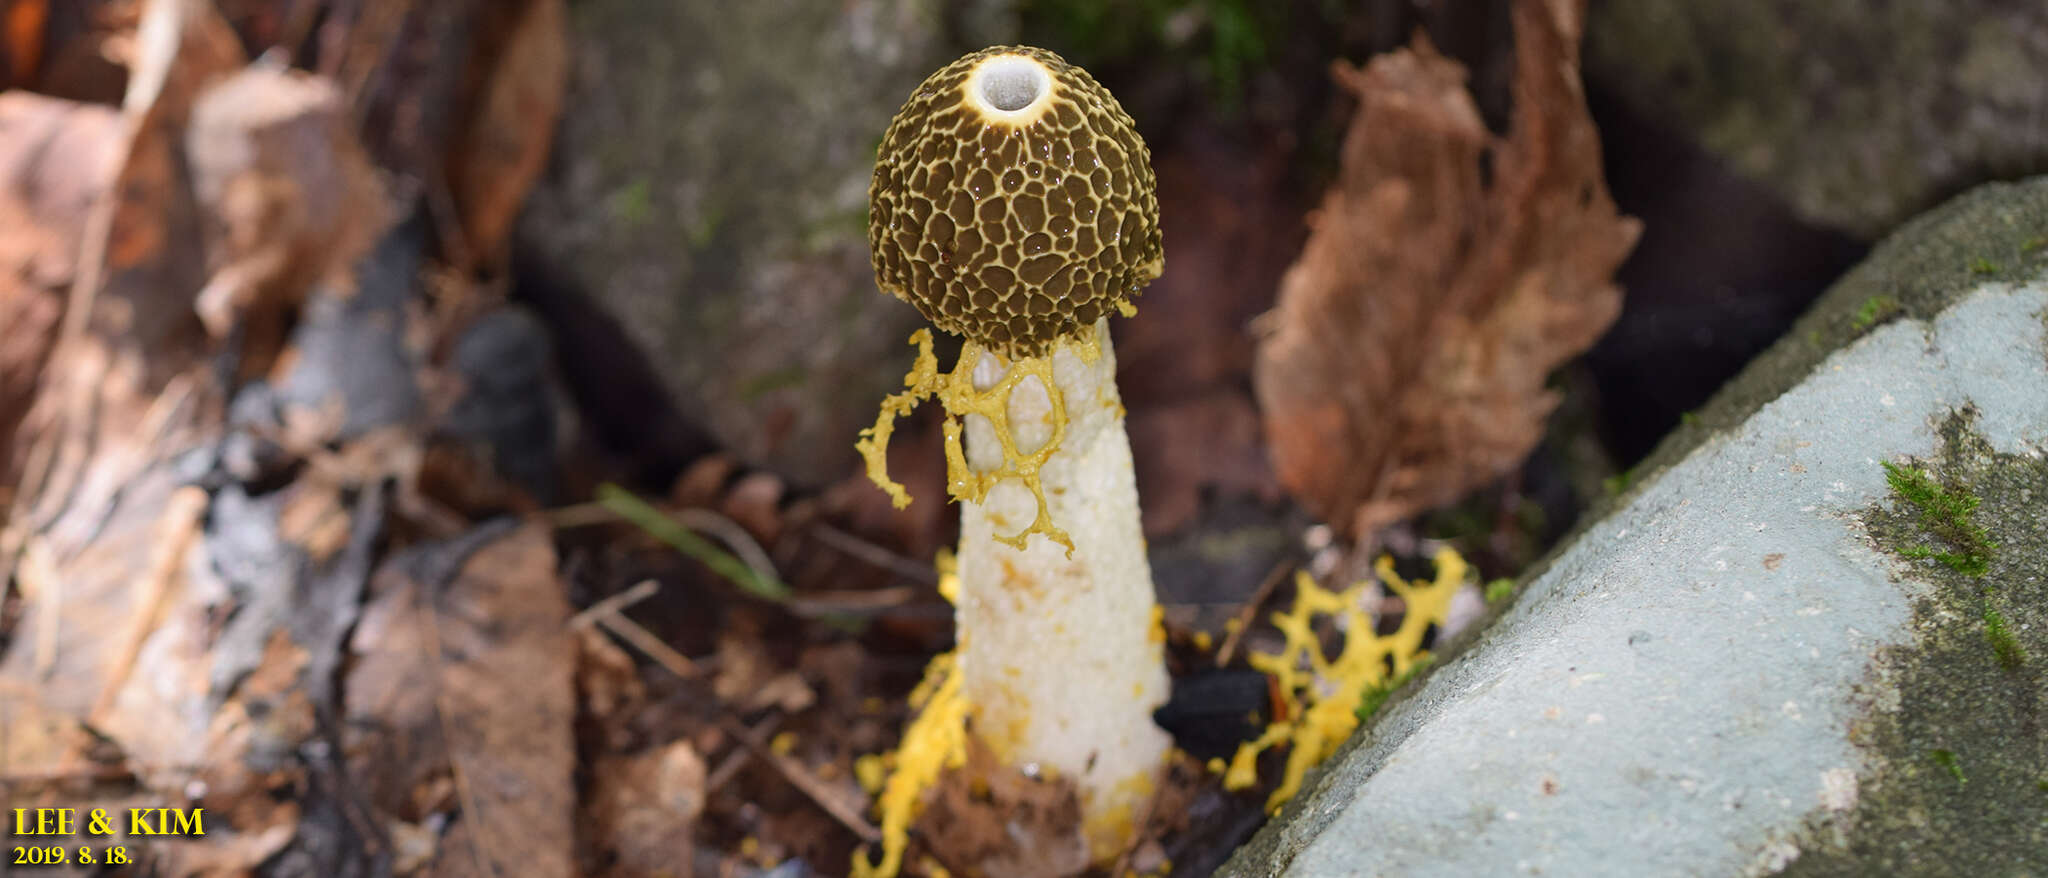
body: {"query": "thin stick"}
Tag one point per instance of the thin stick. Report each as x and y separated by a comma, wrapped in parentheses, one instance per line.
(800, 777)
(39, 580)
(177, 526)
(645, 641)
(873, 600)
(740, 756)
(873, 554)
(615, 604)
(1250, 609)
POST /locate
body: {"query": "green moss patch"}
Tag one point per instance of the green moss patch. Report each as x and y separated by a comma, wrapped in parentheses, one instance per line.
(1955, 724)
(1946, 511)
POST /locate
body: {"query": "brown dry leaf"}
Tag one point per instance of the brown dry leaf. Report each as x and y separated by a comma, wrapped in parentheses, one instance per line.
(21, 40)
(1405, 362)
(84, 48)
(288, 194)
(114, 396)
(607, 682)
(472, 681)
(56, 160)
(504, 146)
(643, 809)
(991, 820)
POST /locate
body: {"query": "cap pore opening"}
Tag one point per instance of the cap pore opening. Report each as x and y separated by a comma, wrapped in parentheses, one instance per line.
(1012, 83)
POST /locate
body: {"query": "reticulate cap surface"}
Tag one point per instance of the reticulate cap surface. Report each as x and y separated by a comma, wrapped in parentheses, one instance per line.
(1013, 201)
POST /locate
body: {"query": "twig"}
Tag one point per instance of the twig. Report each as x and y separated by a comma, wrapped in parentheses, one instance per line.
(41, 584)
(177, 525)
(800, 777)
(1251, 609)
(834, 603)
(873, 554)
(615, 604)
(578, 515)
(742, 543)
(740, 756)
(645, 641)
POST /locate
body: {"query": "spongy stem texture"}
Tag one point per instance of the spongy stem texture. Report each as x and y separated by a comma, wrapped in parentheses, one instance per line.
(1059, 658)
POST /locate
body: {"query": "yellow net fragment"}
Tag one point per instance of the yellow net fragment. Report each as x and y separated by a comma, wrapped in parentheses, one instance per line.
(955, 392)
(1322, 695)
(934, 741)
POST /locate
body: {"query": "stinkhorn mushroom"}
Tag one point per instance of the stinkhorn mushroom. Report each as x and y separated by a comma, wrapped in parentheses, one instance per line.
(1013, 204)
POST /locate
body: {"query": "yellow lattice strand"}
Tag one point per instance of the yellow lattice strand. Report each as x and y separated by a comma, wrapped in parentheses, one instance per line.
(1323, 695)
(935, 741)
(956, 393)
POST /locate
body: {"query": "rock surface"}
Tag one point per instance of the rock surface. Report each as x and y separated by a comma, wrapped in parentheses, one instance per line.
(730, 146)
(1743, 668)
(1859, 114)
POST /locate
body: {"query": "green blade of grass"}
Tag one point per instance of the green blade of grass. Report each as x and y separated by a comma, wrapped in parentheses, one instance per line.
(625, 505)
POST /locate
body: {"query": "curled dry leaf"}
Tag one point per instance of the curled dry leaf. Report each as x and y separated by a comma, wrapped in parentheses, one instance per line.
(503, 146)
(642, 810)
(56, 159)
(289, 196)
(471, 683)
(1448, 272)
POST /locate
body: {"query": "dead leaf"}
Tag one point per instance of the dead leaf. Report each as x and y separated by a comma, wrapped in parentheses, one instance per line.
(994, 821)
(607, 682)
(82, 48)
(288, 195)
(472, 682)
(21, 44)
(643, 809)
(57, 159)
(1448, 272)
(504, 146)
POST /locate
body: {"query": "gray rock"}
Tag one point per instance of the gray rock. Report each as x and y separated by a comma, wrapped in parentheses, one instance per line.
(709, 189)
(1744, 668)
(1859, 114)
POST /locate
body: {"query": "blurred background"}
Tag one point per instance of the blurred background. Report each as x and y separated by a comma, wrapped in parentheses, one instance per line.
(429, 425)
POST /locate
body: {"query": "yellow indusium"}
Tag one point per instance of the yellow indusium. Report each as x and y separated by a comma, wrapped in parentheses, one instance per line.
(956, 392)
(1323, 695)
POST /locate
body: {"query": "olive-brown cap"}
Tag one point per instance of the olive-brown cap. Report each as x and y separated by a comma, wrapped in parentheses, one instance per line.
(1013, 201)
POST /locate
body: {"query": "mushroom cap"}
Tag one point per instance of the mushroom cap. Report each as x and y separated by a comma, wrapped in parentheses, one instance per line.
(1013, 201)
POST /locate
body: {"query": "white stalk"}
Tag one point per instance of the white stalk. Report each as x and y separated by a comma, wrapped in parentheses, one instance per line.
(1059, 656)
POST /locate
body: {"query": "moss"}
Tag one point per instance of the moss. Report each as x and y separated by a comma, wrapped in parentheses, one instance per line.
(1376, 694)
(1981, 265)
(1946, 511)
(1499, 590)
(1947, 759)
(1954, 734)
(633, 203)
(1873, 311)
(2003, 644)
(763, 384)
(1222, 42)
(1951, 688)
